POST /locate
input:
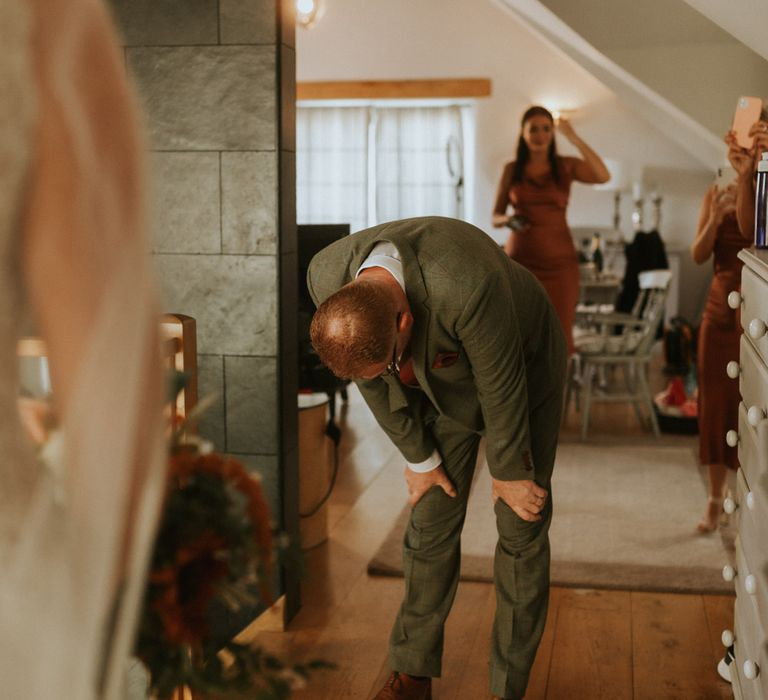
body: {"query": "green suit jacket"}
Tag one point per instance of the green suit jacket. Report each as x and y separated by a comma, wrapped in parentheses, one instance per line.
(472, 303)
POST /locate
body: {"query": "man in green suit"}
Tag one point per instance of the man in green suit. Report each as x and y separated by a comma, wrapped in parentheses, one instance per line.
(449, 340)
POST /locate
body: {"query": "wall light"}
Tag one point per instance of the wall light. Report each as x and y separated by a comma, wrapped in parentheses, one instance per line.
(308, 12)
(564, 112)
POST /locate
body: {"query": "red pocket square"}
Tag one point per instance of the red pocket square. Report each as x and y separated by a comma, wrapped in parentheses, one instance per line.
(444, 359)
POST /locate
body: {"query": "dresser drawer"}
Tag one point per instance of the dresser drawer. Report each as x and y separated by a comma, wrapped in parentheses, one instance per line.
(753, 380)
(752, 518)
(749, 646)
(750, 458)
(756, 604)
(738, 693)
(754, 291)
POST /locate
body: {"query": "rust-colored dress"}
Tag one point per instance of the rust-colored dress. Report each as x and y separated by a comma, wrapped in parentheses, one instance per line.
(546, 248)
(718, 344)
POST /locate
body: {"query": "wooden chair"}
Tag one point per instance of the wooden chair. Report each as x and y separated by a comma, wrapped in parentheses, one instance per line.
(624, 340)
(179, 336)
(179, 351)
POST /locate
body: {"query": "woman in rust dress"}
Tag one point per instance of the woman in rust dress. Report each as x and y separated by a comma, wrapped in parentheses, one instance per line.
(718, 236)
(726, 225)
(536, 186)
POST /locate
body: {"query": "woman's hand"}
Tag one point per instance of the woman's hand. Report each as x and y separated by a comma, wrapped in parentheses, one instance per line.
(565, 128)
(740, 158)
(721, 203)
(37, 418)
(759, 131)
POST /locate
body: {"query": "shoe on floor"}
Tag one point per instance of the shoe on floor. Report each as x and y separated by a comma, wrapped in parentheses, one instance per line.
(724, 665)
(712, 516)
(401, 686)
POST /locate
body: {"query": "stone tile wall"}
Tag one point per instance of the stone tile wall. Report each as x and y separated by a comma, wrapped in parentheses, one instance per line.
(217, 81)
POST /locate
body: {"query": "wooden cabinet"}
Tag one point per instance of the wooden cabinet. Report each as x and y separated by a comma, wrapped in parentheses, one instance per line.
(749, 672)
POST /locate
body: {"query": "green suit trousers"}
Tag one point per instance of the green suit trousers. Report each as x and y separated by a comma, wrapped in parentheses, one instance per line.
(431, 560)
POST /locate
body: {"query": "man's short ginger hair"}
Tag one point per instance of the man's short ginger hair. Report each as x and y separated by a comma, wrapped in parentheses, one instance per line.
(355, 328)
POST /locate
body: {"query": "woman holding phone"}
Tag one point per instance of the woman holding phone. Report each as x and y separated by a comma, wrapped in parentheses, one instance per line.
(725, 227)
(536, 186)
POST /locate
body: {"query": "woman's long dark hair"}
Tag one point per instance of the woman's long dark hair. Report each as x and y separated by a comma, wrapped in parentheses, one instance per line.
(524, 153)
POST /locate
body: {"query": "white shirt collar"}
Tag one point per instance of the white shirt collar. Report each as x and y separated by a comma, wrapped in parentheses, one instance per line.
(385, 255)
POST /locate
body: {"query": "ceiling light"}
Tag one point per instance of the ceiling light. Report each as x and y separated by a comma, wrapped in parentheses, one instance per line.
(308, 12)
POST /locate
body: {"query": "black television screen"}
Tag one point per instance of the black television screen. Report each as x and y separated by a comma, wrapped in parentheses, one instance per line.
(312, 238)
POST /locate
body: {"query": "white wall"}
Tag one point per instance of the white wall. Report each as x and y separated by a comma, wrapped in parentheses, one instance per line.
(407, 39)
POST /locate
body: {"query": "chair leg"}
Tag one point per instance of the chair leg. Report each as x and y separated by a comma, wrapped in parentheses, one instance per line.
(578, 368)
(568, 389)
(572, 385)
(588, 375)
(630, 379)
(646, 392)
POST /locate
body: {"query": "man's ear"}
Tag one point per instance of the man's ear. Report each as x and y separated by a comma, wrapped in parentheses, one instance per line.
(406, 322)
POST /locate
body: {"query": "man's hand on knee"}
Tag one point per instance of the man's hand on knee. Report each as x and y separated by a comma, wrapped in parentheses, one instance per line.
(420, 482)
(524, 497)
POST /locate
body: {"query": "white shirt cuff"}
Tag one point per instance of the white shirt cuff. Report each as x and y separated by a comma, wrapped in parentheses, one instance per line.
(432, 462)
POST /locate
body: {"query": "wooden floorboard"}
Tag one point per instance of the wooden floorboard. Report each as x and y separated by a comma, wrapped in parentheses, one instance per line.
(597, 661)
(672, 658)
(596, 644)
(719, 612)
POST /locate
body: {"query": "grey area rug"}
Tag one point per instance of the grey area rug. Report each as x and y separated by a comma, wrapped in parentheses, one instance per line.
(624, 518)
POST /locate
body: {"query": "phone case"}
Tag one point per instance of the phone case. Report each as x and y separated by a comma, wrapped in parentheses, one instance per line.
(748, 111)
(725, 176)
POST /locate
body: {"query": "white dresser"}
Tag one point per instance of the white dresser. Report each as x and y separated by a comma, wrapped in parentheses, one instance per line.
(749, 672)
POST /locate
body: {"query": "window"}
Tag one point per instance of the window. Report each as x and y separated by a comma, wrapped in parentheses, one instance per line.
(368, 163)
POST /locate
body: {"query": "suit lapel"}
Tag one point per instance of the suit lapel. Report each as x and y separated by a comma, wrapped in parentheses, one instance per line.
(421, 308)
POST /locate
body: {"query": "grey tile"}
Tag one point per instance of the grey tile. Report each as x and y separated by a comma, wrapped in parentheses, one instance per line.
(266, 466)
(232, 297)
(208, 98)
(186, 203)
(252, 404)
(249, 202)
(166, 22)
(210, 377)
(248, 21)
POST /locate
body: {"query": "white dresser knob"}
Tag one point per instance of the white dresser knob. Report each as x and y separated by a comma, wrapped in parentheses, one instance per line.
(732, 369)
(756, 328)
(751, 670)
(750, 500)
(727, 638)
(732, 438)
(754, 415)
(729, 573)
(734, 300)
(750, 584)
(730, 506)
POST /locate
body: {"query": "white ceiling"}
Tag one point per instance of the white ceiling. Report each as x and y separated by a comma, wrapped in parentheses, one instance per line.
(665, 59)
(628, 24)
(746, 20)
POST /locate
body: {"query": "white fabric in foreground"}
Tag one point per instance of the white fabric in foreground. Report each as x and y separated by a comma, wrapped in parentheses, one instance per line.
(74, 549)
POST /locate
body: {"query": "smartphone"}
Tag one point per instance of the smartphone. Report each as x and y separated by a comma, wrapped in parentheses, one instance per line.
(725, 176)
(519, 223)
(748, 111)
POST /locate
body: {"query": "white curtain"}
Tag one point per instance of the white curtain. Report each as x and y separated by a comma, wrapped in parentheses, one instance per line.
(368, 164)
(332, 166)
(419, 163)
